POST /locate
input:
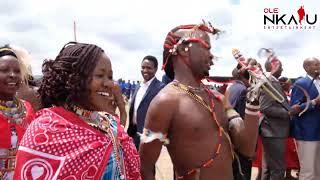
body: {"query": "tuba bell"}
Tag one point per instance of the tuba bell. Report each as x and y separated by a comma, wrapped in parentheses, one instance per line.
(258, 79)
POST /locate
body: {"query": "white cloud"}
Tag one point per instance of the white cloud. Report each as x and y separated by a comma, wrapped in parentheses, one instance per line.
(129, 30)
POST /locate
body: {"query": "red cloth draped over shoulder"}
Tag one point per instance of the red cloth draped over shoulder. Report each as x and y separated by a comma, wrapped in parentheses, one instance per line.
(5, 138)
(58, 144)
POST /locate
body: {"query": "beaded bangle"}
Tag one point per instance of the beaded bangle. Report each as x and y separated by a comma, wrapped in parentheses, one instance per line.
(253, 113)
(255, 107)
(235, 122)
(234, 118)
(252, 109)
(231, 114)
(148, 136)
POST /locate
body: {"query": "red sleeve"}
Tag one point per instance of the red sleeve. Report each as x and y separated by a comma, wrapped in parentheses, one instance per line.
(130, 154)
(5, 137)
(21, 128)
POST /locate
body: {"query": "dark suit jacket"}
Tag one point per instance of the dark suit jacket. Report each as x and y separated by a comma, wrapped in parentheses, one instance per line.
(275, 122)
(151, 92)
(307, 126)
(237, 97)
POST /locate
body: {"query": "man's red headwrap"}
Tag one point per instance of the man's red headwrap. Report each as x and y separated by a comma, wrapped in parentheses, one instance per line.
(173, 41)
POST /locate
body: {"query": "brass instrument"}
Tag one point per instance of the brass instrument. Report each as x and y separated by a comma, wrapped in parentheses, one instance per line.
(258, 79)
(264, 84)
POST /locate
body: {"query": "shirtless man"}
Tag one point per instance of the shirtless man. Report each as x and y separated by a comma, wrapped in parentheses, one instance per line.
(192, 120)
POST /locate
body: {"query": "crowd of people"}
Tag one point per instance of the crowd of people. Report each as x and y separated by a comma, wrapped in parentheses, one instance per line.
(128, 88)
(67, 126)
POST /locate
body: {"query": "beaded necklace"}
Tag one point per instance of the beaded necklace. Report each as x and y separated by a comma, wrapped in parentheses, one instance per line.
(14, 110)
(181, 87)
(188, 90)
(101, 121)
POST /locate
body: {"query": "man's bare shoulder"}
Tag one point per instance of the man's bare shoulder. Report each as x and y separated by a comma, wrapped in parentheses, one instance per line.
(166, 95)
(164, 101)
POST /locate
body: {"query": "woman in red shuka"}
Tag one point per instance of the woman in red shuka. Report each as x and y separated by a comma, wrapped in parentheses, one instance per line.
(76, 135)
(15, 114)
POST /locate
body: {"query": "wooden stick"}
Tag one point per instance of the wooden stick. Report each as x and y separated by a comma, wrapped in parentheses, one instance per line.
(74, 31)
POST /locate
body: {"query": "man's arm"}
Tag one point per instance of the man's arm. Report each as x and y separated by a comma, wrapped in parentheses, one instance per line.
(298, 98)
(271, 108)
(246, 137)
(244, 132)
(159, 116)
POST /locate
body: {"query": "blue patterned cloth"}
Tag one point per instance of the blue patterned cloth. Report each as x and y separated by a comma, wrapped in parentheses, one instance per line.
(111, 171)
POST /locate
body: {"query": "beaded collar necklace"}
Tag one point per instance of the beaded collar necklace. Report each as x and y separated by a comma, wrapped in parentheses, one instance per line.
(189, 90)
(101, 121)
(184, 88)
(201, 88)
(13, 110)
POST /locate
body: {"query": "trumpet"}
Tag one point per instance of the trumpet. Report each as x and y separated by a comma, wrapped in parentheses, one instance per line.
(264, 84)
(258, 80)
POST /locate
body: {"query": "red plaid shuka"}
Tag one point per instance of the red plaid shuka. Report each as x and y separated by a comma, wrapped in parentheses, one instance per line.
(60, 145)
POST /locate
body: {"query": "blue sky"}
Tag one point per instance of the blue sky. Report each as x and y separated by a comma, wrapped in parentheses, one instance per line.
(130, 30)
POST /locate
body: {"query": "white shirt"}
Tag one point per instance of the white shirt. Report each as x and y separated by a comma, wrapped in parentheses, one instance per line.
(140, 94)
(316, 82)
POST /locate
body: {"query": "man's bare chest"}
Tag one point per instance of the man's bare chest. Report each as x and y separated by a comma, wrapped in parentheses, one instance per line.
(192, 117)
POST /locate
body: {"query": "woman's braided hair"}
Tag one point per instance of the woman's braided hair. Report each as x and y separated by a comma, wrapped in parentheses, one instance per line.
(65, 79)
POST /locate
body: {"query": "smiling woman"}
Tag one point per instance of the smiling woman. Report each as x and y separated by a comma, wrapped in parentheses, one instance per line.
(76, 136)
(15, 114)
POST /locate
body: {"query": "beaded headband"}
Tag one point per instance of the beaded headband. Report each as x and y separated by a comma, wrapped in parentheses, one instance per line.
(189, 37)
(7, 51)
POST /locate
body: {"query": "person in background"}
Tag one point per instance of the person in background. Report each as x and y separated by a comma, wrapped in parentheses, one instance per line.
(128, 89)
(138, 83)
(238, 99)
(121, 84)
(15, 114)
(28, 89)
(165, 79)
(291, 156)
(133, 88)
(143, 96)
(305, 128)
(274, 127)
(74, 136)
